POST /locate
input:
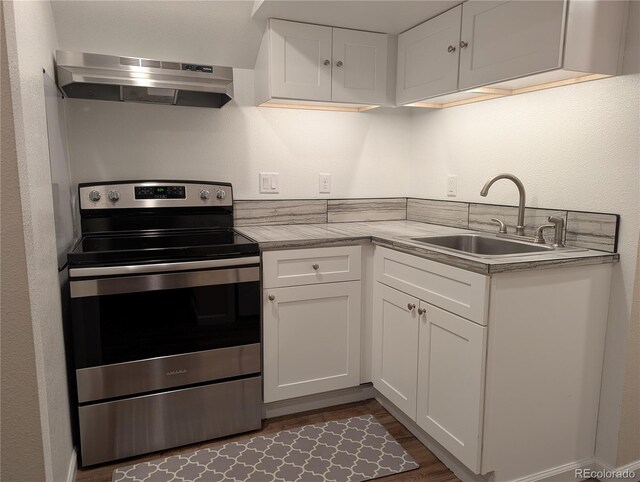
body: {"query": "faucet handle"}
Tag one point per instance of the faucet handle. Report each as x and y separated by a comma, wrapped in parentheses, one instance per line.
(557, 223)
(539, 236)
(503, 227)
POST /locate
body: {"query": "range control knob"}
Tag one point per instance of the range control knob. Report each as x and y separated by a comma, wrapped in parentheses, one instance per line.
(94, 196)
(204, 194)
(113, 196)
(221, 194)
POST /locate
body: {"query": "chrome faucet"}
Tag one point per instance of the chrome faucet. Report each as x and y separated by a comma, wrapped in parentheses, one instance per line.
(520, 186)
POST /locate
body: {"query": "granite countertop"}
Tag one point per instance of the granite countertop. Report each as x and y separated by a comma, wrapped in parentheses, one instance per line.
(396, 234)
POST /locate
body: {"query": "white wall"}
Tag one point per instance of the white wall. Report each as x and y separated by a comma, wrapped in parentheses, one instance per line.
(629, 437)
(574, 147)
(31, 40)
(366, 153)
(22, 453)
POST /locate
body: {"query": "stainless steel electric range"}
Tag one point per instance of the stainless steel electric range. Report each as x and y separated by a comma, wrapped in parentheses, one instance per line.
(165, 302)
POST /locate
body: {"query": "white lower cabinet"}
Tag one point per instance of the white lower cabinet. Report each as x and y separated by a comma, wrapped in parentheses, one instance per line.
(395, 347)
(311, 339)
(428, 361)
(451, 363)
(430, 364)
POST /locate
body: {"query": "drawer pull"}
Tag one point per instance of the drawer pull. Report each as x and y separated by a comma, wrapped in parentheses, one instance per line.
(315, 266)
(272, 297)
(422, 311)
(411, 306)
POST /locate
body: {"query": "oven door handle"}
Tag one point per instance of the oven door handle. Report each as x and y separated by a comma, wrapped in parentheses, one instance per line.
(161, 267)
(162, 281)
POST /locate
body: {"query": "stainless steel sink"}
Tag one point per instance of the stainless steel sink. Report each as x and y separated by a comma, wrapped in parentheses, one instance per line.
(483, 246)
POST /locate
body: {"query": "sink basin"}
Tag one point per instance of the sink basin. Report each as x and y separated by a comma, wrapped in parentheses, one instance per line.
(483, 246)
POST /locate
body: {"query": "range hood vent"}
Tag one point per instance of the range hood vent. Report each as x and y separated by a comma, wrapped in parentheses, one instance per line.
(132, 79)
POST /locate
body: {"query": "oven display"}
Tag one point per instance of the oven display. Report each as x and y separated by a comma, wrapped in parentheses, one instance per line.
(160, 192)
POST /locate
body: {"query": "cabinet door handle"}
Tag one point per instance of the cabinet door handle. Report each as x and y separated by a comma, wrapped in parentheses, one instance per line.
(315, 266)
(326, 62)
(463, 44)
(339, 63)
(422, 311)
(272, 297)
(411, 306)
(451, 49)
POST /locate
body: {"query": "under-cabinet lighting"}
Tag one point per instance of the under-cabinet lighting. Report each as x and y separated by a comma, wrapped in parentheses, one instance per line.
(492, 93)
(490, 90)
(312, 106)
(559, 83)
(435, 105)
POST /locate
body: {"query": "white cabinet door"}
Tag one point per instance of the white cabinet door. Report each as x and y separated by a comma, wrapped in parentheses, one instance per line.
(299, 52)
(395, 347)
(428, 58)
(311, 339)
(451, 382)
(508, 39)
(359, 72)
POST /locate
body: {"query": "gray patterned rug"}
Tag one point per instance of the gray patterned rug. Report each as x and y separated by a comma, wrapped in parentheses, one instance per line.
(354, 449)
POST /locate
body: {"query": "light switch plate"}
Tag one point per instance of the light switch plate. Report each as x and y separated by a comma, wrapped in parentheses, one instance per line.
(269, 182)
(324, 180)
(452, 186)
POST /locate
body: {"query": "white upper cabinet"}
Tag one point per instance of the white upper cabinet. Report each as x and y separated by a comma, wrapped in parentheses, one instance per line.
(506, 39)
(359, 67)
(300, 61)
(508, 47)
(428, 58)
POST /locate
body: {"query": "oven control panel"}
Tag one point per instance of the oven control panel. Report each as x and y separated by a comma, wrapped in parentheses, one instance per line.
(159, 192)
(154, 194)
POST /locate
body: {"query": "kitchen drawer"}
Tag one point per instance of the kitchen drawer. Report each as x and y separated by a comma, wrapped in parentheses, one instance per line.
(453, 289)
(296, 267)
(134, 426)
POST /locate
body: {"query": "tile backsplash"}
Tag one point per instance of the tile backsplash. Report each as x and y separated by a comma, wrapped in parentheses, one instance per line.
(583, 229)
(592, 230)
(444, 213)
(251, 213)
(351, 210)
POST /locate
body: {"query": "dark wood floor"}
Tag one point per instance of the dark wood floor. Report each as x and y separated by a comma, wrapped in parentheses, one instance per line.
(431, 469)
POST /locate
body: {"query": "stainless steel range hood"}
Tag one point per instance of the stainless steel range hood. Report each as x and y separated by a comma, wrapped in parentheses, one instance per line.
(132, 79)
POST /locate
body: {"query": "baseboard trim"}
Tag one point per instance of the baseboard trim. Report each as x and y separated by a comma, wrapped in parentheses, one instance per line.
(73, 466)
(562, 473)
(316, 401)
(632, 467)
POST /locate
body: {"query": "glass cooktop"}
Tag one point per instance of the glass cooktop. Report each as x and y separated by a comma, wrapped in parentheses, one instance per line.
(97, 249)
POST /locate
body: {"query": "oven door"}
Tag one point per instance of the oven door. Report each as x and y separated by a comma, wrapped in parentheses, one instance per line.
(142, 328)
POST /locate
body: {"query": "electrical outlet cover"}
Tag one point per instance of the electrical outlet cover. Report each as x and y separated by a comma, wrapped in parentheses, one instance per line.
(452, 186)
(324, 180)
